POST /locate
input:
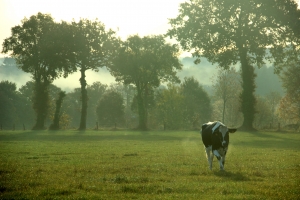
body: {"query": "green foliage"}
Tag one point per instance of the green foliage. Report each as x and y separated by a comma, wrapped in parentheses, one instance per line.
(25, 43)
(8, 97)
(110, 109)
(227, 89)
(38, 47)
(217, 29)
(139, 165)
(263, 117)
(290, 78)
(15, 108)
(145, 63)
(196, 103)
(170, 107)
(93, 48)
(267, 115)
(148, 60)
(290, 104)
(184, 106)
(72, 106)
(227, 32)
(95, 92)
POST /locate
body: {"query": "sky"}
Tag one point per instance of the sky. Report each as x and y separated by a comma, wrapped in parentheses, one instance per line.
(127, 17)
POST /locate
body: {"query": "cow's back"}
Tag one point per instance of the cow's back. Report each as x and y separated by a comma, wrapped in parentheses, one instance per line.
(206, 133)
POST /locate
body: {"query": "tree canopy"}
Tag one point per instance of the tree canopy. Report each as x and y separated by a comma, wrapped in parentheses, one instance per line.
(196, 103)
(290, 103)
(231, 31)
(35, 45)
(226, 87)
(94, 47)
(146, 63)
(39, 50)
(110, 109)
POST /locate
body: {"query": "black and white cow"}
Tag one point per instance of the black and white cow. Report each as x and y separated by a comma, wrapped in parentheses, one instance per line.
(215, 137)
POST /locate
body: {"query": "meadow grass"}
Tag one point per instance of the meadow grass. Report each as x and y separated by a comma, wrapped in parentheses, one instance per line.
(146, 165)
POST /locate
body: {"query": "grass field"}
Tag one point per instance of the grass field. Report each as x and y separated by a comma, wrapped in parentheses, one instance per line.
(146, 165)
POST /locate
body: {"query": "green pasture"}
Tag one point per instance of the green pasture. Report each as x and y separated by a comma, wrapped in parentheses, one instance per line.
(146, 165)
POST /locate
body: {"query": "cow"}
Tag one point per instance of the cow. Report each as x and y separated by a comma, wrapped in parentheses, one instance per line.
(215, 137)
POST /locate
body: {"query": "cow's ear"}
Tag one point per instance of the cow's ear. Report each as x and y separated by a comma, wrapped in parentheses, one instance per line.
(232, 130)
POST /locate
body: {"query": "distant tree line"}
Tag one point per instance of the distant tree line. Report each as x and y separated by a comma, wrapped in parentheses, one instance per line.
(182, 106)
(49, 50)
(178, 106)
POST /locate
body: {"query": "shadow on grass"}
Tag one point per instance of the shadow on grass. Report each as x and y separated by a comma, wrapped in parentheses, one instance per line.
(272, 140)
(271, 135)
(232, 176)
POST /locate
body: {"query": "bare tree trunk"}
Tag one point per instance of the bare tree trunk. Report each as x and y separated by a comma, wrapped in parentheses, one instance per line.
(141, 109)
(55, 123)
(40, 104)
(247, 96)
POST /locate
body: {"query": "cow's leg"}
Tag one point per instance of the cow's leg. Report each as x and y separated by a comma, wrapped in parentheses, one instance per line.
(223, 159)
(209, 156)
(222, 163)
(220, 158)
(221, 155)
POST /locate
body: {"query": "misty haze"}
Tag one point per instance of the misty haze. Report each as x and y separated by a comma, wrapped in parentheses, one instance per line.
(204, 72)
(135, 117)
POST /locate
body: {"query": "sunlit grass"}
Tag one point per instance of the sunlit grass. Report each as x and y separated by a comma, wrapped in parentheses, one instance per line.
(145, 165)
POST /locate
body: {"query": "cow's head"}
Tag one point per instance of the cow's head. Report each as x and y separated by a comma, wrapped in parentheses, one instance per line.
(223, 134)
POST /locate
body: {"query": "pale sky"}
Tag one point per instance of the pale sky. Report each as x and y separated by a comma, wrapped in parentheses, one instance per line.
(127, 17)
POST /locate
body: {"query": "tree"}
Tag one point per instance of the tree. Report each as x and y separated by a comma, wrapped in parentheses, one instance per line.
(231, 31)
(145, 63)
(96, 92)
(273, 100)
(38, 47)
(196, 103)
(15, 109)
(149, 100)
(128, 93)
(290, 104)
(263, 116)
(226, 87)
(289, 110)
(169, 105)
(27, 93)
(8, 111)
(57, 114)
(93, 48)
(28, 114)
(110, 109)
(72, 106)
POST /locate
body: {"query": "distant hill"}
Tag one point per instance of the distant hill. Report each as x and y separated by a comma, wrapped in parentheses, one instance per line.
(266, 80)
(9, 71)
